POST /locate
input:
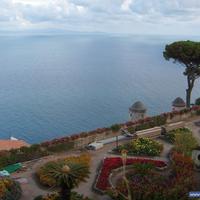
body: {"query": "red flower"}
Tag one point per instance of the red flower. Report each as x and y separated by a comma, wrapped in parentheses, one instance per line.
(116, 162)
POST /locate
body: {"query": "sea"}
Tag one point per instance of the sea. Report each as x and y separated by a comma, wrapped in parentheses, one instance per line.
(57, 85)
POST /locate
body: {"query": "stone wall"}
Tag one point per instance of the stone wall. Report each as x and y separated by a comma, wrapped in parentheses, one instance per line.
(82, 139)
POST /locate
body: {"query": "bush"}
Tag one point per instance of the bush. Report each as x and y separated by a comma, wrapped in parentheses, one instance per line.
(197, 102)
(198, 112)
(183, 140)
(21, 155)
(115, 127)
(9, 189)
(61, 147)
(55, 196)
(148, 123)
(43, 171)
(185, 143)
(33, 152)
(170, 137)
(142, 147)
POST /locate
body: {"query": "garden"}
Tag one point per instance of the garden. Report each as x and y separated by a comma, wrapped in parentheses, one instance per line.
(141, 147)
(111, 163)
(145, 183)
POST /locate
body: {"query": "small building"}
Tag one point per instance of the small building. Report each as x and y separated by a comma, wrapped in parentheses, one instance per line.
(137, 111)
(178, 104)
(6, 145)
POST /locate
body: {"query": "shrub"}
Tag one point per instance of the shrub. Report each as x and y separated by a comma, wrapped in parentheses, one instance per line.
(61, 147)
(142, 146)
(115, 127)
(55, 196)
(21, 155)
(142, 168)
(197, 102)
(198, 112)
(131, 129)
(43, 171)
(9, 189)
(185, 143)
(170, 137)
(35, 151)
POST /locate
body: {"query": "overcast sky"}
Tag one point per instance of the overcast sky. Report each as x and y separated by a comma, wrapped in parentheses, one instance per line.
(112, 16)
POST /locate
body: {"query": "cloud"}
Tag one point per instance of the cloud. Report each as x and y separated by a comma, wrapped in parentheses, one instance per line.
(126, 5)
(127, 16)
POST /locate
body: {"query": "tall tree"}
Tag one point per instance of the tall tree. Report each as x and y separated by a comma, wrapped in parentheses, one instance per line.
(187, 53)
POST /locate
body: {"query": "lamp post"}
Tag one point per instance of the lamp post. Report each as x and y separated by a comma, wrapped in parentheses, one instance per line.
(124, 159)
(117, 142)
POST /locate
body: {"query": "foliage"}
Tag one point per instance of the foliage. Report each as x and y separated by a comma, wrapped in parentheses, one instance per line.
(55, 196)
(185, 143)
(142, 146)
(198, 112)
(160, 186)
(186, 53)
(61, 147)
(48, 180)
(109, 164)
(152, 122)
(171, 135)
(197, 102)
(66, 174)
(9, 189)
(30, 153)
(21, 155)
(142, 168)
(183, 140)
(115, 127)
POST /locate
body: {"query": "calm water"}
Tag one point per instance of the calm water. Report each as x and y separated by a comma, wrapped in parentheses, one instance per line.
(52, 86)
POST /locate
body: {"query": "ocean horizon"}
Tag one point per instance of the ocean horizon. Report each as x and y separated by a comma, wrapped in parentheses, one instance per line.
(53, 86)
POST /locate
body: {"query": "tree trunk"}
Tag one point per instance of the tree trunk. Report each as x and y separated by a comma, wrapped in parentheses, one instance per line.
(65, 193)
(188, 97)
(189, 90)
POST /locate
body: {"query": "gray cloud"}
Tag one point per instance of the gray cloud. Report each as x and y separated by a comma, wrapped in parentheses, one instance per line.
(127, 16)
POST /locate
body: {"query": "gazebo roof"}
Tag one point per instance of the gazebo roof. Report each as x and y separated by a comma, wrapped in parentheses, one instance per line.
(178, 102)
(138, 107)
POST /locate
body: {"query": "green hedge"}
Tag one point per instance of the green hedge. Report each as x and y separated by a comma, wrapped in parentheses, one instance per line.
(35, 151)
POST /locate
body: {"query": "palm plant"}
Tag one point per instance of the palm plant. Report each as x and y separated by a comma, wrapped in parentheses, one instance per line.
(67, 175)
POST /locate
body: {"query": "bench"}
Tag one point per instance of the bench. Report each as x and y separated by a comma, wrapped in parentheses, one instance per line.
(170, 127)
(149, 133)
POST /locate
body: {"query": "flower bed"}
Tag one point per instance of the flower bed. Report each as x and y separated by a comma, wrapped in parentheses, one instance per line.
(141, 147)
(174, 184)
(109, 164)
